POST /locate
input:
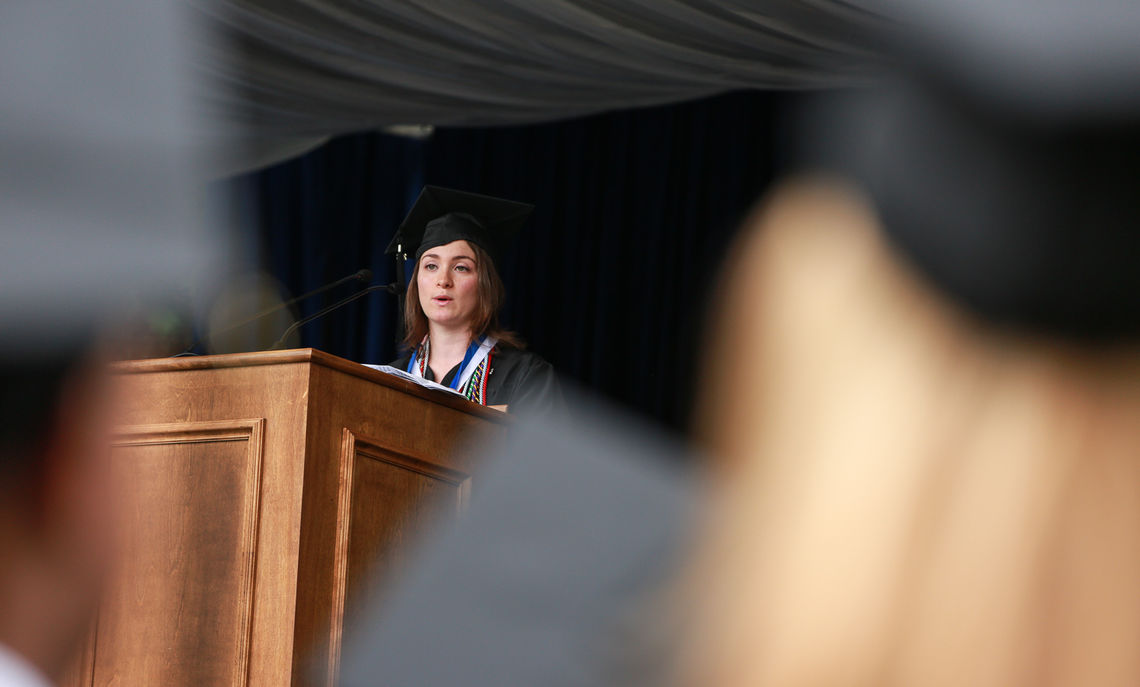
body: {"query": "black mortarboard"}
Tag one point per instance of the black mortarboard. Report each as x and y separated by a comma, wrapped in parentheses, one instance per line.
(1005, 164)
(443, 215)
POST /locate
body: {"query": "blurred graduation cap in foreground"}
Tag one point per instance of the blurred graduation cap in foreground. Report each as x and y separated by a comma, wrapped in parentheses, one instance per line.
(1004, 162)
(98, 204)
(442, 215)
(552, 576)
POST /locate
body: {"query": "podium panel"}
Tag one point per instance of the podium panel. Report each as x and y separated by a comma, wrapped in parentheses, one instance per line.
(179, 609)
(414, 487)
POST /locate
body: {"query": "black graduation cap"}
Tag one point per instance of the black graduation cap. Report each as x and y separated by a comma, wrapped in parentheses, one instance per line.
(578, 522)
(97, 214)
(442, 215)
(1005, 161)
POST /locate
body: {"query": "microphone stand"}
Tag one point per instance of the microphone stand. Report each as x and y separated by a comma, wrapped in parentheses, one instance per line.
(390, 288)
(359, 275)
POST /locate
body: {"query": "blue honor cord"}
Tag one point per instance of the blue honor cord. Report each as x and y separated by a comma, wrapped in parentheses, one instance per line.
(471, 351)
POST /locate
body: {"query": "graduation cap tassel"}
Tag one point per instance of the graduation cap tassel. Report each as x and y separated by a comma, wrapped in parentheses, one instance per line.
(401, 287)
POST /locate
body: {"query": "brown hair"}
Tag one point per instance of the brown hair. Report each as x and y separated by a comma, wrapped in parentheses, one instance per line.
(491, 296)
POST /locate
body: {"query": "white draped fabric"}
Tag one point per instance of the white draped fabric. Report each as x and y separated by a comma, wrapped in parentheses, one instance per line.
(313, 68)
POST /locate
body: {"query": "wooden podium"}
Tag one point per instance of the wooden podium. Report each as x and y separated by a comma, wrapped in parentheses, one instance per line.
(265, 492)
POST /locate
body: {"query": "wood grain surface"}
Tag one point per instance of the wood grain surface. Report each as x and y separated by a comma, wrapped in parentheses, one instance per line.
(267, 496)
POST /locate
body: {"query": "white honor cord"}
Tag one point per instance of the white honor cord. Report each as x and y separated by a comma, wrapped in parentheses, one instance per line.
(480, 355)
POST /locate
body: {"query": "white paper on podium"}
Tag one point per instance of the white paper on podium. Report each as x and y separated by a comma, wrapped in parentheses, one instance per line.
(388, 369)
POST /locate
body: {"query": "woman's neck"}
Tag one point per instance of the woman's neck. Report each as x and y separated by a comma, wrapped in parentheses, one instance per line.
(448, 348)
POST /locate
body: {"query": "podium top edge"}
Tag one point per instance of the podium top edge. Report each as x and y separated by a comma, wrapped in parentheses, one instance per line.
(305, 356)
(214, 362)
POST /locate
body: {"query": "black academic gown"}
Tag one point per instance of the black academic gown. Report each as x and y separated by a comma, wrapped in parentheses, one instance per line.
(519, 379)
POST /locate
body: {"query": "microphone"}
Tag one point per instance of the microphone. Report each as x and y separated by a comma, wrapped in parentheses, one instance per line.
(359, 275)
(390, 288)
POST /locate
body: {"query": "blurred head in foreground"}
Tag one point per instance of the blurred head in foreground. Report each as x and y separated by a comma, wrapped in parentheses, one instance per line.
(55, 505)
(96, 213)
(907, 496)
(929, 459)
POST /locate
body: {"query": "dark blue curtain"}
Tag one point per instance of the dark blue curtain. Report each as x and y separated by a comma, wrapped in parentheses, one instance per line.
(608, 280)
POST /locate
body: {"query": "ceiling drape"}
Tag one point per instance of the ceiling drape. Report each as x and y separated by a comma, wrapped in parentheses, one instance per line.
(293, 70)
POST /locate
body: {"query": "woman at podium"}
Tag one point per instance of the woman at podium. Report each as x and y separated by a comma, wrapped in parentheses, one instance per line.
(451, 308)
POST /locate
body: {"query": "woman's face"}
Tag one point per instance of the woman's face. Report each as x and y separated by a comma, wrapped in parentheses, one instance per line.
(449, 284)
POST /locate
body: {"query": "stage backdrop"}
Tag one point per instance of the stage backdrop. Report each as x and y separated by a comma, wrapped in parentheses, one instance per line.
(610, 276)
